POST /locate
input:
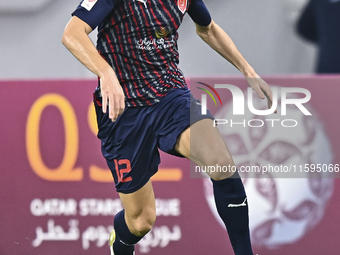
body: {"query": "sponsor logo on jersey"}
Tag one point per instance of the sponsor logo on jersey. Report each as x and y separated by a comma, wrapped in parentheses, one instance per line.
(88, 4)
(162, 32)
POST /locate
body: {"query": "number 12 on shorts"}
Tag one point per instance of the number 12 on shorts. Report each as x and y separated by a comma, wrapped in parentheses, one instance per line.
(121, 171)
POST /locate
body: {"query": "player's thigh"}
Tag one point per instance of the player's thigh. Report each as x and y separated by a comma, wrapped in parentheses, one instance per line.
(203, 144)
(140, 208)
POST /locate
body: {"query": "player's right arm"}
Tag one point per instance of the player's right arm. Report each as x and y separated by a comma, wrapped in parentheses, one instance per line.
(76, 40)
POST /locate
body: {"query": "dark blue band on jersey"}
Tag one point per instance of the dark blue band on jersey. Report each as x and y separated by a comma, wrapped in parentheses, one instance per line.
(97, 14)
(199, 13)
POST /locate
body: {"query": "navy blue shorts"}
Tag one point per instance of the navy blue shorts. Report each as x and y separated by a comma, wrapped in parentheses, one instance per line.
(130, 145)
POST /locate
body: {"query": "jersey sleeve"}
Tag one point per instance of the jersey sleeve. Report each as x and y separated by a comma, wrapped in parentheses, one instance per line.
(199, 13)
(93, 12)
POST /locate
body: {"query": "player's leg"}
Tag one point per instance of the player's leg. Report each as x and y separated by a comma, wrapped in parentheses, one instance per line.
(130, 147)
(135, 221)
(203, 144)
(140, 209)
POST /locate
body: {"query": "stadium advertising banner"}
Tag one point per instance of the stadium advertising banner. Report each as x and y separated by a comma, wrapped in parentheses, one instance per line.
(58, 197)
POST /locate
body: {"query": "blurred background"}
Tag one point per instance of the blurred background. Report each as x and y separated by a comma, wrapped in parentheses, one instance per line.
(264, 32)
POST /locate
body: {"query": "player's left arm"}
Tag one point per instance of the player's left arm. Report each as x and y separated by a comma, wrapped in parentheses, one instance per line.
(219, 40)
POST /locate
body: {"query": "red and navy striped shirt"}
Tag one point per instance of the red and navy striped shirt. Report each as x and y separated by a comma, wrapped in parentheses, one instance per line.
(138, 38)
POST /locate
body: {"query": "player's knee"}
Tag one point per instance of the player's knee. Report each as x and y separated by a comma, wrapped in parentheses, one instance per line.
(217, 157)
(220, 176)
(144, 222)
(143, 226)
(220, 167)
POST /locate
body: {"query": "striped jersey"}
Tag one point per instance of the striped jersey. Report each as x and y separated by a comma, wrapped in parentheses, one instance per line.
(138, 38)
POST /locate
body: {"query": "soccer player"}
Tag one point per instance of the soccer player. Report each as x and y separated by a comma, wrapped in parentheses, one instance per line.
(143, 104)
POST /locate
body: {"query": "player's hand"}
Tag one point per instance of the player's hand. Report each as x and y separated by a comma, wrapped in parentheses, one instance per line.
(262, 89)
(112, 94)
